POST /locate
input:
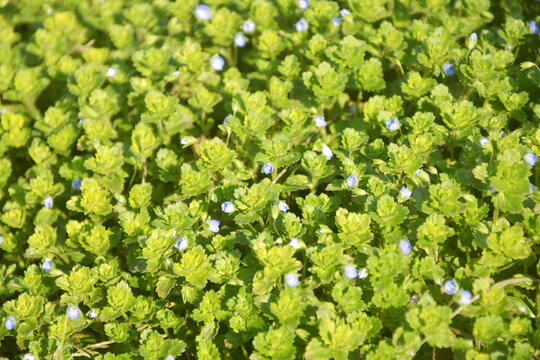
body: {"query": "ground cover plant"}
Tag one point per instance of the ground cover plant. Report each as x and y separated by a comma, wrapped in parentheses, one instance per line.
(269, 179)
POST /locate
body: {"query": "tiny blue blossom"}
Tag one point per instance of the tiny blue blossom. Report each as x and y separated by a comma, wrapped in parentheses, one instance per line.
(111, 72)
(202, 12)
(291, 280)
(295, 243)
(73, 312)
(532, 188)
(184, 140)
(533, 27)
(418, 172)
(451, 287)
(301, 25)
(303, 4)
(283, 206)
(344, 12)
(530, 158)
(319, 121)
(491, 189)
(217, 63)
(226, 118)
(213, 225)
(335, 21)
(352, 180)
(483, 142)
(92, 314)
(362, 273)
(405, 193)
(473, 37)
(465, 297)
(405, 247)
(1, 240)
(48, 202)
(522, 309)
(181, 243)
(176, 73)
(326, 151)
(350, 272)
(76, 184)
(47, 265)
(10, 323)
(227, 207)
(28, 357)
(248, 26)
(449, 69)
(240, 40)
(168, 262)
(392, 124)
(169, 357)
(268, 168)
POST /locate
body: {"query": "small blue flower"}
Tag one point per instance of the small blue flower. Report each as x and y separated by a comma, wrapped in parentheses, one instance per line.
(73, 312)
(111, 72)
(227, 207)
(352, 180)
(491, 189)
(176, 73)
(530, 158)
(303, 4)
(226, 118)
(483, 142)
(28, 357)
(350, 272)
(335, 21)
(405, 247)
(248, 26)
(362, 273)
(283, 206)
(522, 309)
(465, 297)
(532, 188)
(47, 265)
(451, 287)
(240, 40)
(392, 124)
(291, 280)
(181, 243)
(213, 225)
(344, 12)
(418, 172)
(202, 12)
(533, 27)
(319, 121)
(93, 314)
(473, 37)
(405, 193)
(326, 151)
(76, 184)
(217, 63)
(169, 357)
(10, 323)
(295, 243)
(184, 140)
(268, 168)
(449, 69)
(48, 202)
(1, 240)
(301, 25)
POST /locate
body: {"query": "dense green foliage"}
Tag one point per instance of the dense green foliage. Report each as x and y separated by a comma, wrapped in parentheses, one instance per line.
(371, 195)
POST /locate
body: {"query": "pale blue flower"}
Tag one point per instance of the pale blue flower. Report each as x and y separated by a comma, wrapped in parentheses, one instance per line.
(176, 73)
(350, 272)
(449, 69)
(240, 40)
(28, 357)
(303, 4)
(73, 312)
(344, 12)
(319, 121)
(362, 273)
(10, 323)
(451, 287)
(352, 180)
(465, 297)
(48, 202)
(169, 357)
(111, 72)
(335, 21)
(473, 38)
(483, 142)
(418, 172)
(226, 118)
(532, 188)
(184, 140)
(392, 124)
(301, 25)
(213, 225)
(181, 243)
(530, 158)
(291, 280)
(217, 63)
(202, 12)
(295, 243)
(522, 309)
(268, 168)
(1, 240)
(248, 26)
(491, 189)
(92, 314)
(533, 27)
(227, 207)
(283, 206)
(405, 247)
(326, 151)
(405, 193)
(47, 265)
(76, 184)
